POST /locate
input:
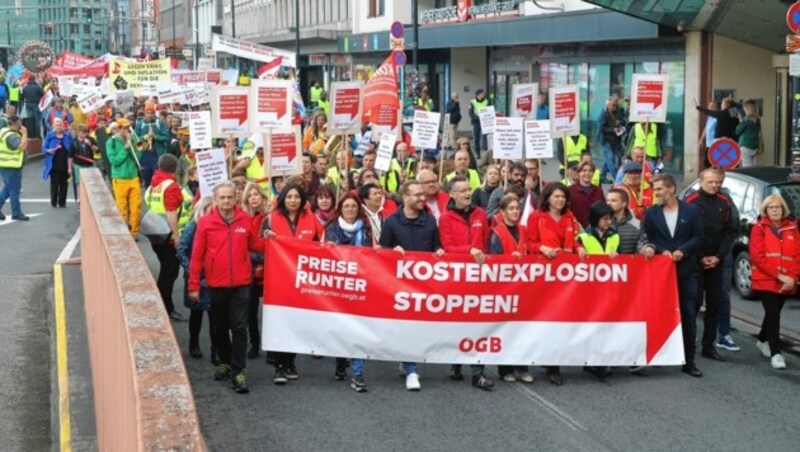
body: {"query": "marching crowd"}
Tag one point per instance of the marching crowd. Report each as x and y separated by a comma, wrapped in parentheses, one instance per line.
(470, 204)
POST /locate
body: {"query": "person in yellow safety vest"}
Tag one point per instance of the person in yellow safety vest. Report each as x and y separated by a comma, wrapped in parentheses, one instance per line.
(13, 92)
(185, 214)
(425, 102)
(13, 145)
(324, 104)
(336, 172)
(570, 176)
(574, 146)
(477, 105)
(586, 156)
(600, 239)
(403, 163)
(164, 198)
(256, 172)
(463, 169)
(314, 94)
(391, 180)
(651, 143)
(640, 193)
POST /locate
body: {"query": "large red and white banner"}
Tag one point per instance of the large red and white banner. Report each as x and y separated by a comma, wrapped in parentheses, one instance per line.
(362, 303)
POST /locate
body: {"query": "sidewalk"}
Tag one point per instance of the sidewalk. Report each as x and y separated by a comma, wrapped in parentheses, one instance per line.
(751, 312)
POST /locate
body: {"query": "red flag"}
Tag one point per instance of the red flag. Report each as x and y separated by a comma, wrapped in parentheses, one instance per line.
(269, 68)
(380, 95)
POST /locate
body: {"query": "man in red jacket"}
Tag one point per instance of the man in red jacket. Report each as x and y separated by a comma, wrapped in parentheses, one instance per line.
(464, 228)
(435, 198)
(164, 198)
(220, 252)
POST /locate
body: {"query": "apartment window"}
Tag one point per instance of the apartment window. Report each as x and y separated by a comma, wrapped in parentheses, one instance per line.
(376, 8)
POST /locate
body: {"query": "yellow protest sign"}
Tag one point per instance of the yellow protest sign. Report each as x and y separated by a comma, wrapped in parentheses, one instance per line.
(135, 75)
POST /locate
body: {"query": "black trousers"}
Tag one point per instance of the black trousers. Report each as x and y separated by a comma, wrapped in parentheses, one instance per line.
(229, 313)
(252, 314)
(770, 327)
(168, 272)
(58, 187)
(196, 325)
(689, 292)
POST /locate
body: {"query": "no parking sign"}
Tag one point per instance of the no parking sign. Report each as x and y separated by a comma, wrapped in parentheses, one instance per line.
(724, 153)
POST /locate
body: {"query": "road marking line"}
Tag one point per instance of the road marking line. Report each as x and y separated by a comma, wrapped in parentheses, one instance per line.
(65, 424)
(66, 253)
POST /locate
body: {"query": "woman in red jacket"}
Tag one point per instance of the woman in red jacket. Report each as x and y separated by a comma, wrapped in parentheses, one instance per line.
(291, 218)
(552, 230)
(775, 254)
(509, 237)
(257, 205)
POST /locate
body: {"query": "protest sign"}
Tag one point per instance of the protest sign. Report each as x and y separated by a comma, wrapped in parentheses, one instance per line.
(383, 160)
(345, 107)
(425, 131)
(270, 105)
(564, 117)
(487, 116)
(284, 158)
(597, 311)
(524, 99)
(507, 138)
(538, 142)
(230, 112)
(649, 94)
(90, 101)
(200, 130)
(125, 74)
(211, 170)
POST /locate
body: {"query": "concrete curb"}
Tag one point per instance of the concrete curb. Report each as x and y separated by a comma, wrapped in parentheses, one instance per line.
(749, 319)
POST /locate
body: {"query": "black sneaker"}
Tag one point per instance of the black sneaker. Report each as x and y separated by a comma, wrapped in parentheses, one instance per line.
(341, 369)
(291, 372)
(280, 377)
(239, 383)
(481, 382)
(456, 374)
(194, 351)
(20, 217)
(2, 216)
(253, 352)
(223, 372)
(357, 383)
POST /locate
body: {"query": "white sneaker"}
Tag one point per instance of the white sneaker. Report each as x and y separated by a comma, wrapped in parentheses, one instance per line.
(778, 362)
(764, 347)
(412, 382)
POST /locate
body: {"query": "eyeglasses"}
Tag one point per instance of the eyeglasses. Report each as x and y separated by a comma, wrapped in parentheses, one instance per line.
(774, 207)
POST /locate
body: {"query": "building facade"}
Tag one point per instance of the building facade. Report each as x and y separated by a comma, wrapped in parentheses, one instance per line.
(143, 27)
(20, 23)
(79, 26)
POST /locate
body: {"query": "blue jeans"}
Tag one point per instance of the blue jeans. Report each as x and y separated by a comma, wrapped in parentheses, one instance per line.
(12, 184)
(409, 368)
(610, 162)
(724, 311)
(357, 365)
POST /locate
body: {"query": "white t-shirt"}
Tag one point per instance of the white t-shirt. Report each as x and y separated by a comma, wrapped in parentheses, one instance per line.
(672, 221)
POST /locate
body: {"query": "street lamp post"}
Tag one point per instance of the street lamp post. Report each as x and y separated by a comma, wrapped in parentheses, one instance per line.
(233, 32)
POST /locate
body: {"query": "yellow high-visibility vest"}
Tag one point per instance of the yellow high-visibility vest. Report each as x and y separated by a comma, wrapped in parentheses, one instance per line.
(10, 158)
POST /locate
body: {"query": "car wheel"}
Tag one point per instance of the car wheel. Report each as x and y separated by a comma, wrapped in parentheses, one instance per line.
(742, 275)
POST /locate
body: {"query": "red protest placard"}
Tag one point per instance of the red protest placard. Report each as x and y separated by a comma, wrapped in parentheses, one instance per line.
(564, 118)
(345, 106)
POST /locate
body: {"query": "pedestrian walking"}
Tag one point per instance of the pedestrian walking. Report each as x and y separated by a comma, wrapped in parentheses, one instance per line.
(125, 176)
(13, 148)
(256, 204)
(57, 165)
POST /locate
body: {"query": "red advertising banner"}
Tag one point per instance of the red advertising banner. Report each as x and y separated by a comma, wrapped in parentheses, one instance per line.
(359, 302)
(70, 63)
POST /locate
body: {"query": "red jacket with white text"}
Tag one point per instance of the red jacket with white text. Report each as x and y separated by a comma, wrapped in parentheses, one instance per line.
(459, 236)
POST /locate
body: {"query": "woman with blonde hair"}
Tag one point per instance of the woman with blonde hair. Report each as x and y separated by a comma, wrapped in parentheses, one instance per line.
(315, 137)
(775, 254)
(749, 133)
(256, 203)
(491, 181)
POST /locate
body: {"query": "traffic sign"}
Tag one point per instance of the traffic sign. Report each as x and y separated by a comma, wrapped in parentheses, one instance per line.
(399, 58)
(793, 17)
(397, 30)
(397, 43)
(724, 153)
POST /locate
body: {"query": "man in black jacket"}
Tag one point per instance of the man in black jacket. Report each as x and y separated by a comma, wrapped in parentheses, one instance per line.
(454, 110)
(411, 228)
(727, 120)
(718, 235)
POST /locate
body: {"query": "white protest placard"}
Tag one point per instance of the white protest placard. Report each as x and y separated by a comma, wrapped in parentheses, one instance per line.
(649, 93)
(507, 138)
(105, 86)
(66, 86)
(270, 104)
(345, 107)
(383, 160)
(124, 100)
(446, 135)
(205, 63)
(200, 130)
(169, 93)
(230, 113)
(200, 97)
(282, 150)
(524, 99)
(46, 99)
(564, 117)
(91, 101)
(211, 170)
(538, 142)
(487, 116)
(425, 131)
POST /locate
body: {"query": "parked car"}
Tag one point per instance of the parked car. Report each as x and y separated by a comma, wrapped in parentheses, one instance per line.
(748, 187)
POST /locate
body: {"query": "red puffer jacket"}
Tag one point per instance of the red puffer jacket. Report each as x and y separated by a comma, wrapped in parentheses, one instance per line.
(774, 251)
(458, 236)
(221, 250)
(307, 227)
